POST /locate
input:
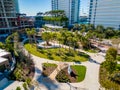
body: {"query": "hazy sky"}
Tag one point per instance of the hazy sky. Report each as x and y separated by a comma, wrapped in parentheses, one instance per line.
(31, 7)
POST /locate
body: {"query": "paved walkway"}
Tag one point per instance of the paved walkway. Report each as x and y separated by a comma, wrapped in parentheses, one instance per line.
(91, 81)
(57, 70)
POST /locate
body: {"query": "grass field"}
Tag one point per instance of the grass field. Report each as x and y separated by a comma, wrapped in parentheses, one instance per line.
(80, 71)
(57, 54)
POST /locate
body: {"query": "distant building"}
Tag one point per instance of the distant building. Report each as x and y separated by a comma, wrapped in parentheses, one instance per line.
(39, 22)
(105, 12)
(71, 8)
(5, 59)
(83, 20)
(24, 21)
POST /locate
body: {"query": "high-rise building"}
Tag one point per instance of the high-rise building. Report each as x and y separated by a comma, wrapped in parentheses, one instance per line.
(8, 18)
(17, 6)
(105, 12)
(71, 8)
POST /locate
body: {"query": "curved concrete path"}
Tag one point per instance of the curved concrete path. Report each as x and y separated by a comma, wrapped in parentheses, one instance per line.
(91, 81)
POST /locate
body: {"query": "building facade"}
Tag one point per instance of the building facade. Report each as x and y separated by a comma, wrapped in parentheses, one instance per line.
(105, 12)
(71, 8)
(8, 19)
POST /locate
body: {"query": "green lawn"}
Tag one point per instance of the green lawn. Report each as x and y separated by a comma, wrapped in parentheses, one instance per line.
(80, 71)
(91, 50)
(49, 65)
(55, 54)
(118, 66)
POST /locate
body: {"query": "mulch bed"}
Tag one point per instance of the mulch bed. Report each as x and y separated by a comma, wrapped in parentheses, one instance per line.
(72, 77)
(48, 70)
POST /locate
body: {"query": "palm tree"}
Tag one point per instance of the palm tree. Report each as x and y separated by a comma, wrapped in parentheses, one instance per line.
(9, 43)
(74, 42)
(59, 40)
(53, 37)
(109, 32)
(69, 40)
(100, 29)
(33, 33)
(76, 27)
(29, 35)
(83, 40)
(2, 45)
(47, 37)
(90, 27)
(16, 40)
(83, 27)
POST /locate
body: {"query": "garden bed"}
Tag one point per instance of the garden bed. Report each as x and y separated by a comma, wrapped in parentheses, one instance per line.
(77, 75)
(48, 68)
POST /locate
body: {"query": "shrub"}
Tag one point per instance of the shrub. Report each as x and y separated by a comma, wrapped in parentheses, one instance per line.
(28, 80)
(18, 88)
(61, 77)
(118, 58)
(25, 86)
(116, 77)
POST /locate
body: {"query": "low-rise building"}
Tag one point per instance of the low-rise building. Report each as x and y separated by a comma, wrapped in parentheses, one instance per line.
(5, 59)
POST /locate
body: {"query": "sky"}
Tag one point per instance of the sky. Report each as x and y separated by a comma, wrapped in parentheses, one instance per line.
(32, 7)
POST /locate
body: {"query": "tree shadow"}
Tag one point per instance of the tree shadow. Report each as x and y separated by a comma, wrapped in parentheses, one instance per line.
(93, 61)
(72, 74)
(45, 81)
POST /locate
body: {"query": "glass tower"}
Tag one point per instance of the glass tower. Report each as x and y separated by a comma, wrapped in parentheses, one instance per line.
(71, 8)
(105, 12)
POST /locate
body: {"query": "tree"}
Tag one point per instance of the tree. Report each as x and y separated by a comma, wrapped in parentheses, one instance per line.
(16, 40)
(110, 63)
(33, 33)
(18, 88)
(100, 29)
(9, 43)
(110, 66)
(111, 52)
(59, 39)
(54, 36)
(46, 36)
(2, 46)
(90, 27)
(83, 27)
(109, 32)
(29, 35)
(74, 42)
(57, 17)
(69, 40)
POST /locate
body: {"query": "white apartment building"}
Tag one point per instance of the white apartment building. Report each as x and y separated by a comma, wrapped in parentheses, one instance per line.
(105, 12)
(71, 8)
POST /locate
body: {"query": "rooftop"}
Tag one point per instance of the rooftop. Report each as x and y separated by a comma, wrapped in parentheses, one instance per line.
(3, 59)
(52, 26)
(3, 53)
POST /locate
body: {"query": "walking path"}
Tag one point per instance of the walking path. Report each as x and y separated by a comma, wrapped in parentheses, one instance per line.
(91, 81)
(56, 71)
